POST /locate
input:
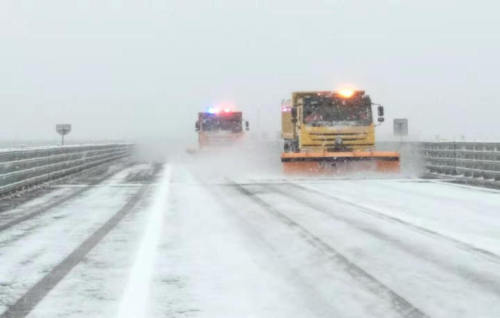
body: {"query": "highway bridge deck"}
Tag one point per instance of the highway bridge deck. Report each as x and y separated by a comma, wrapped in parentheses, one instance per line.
(174, 240)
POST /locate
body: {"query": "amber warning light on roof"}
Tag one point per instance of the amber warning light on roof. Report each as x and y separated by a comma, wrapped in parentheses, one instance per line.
(347, 93)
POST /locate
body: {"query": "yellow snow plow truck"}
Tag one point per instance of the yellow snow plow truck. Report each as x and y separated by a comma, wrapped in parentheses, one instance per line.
(328, 132)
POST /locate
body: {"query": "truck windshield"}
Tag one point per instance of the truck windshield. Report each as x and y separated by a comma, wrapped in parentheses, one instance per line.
(331, 111)
(212, 122)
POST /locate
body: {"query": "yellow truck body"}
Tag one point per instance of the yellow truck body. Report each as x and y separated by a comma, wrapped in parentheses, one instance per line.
(326, 131)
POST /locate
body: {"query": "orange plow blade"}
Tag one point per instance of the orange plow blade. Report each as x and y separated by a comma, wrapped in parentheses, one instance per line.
(339, 163)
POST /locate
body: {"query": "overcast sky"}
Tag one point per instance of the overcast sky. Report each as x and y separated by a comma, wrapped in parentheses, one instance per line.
(126, 69)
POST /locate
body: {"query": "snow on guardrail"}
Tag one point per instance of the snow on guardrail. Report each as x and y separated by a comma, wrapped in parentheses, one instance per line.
(472, 162)
(475, 163)
(26, 167)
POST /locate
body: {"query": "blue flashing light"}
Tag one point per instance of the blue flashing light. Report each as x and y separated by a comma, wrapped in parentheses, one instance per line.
(212, 110)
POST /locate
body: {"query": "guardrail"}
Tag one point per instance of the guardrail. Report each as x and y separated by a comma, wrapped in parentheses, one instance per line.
(473, 162)
(24, 168)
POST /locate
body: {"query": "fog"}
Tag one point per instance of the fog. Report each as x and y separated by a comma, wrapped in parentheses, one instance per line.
(135, 70)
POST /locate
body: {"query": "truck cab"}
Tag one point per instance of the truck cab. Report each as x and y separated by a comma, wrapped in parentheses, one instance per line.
(328, 121)
(220, 127)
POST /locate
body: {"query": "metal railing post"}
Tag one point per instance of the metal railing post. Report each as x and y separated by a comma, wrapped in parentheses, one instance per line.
(23, 168)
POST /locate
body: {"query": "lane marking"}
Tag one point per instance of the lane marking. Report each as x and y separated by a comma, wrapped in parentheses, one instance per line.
(469, 184)
(22, 307)
(135, 300)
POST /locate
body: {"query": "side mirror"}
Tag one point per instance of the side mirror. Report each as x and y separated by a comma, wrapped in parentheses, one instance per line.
(247, 126)
(381, 114)
(381, 111)
(197, 126)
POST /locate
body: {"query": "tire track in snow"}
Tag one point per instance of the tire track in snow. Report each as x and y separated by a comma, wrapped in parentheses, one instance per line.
(414, 227)
(478, 278)
(320, 304)
(23, 306)
(56, 203)
(399, 304)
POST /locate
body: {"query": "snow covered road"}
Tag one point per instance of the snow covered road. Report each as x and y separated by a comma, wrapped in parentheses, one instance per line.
(185, 242)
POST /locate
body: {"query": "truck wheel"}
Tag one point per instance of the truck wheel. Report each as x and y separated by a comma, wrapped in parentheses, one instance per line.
(286, 148)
